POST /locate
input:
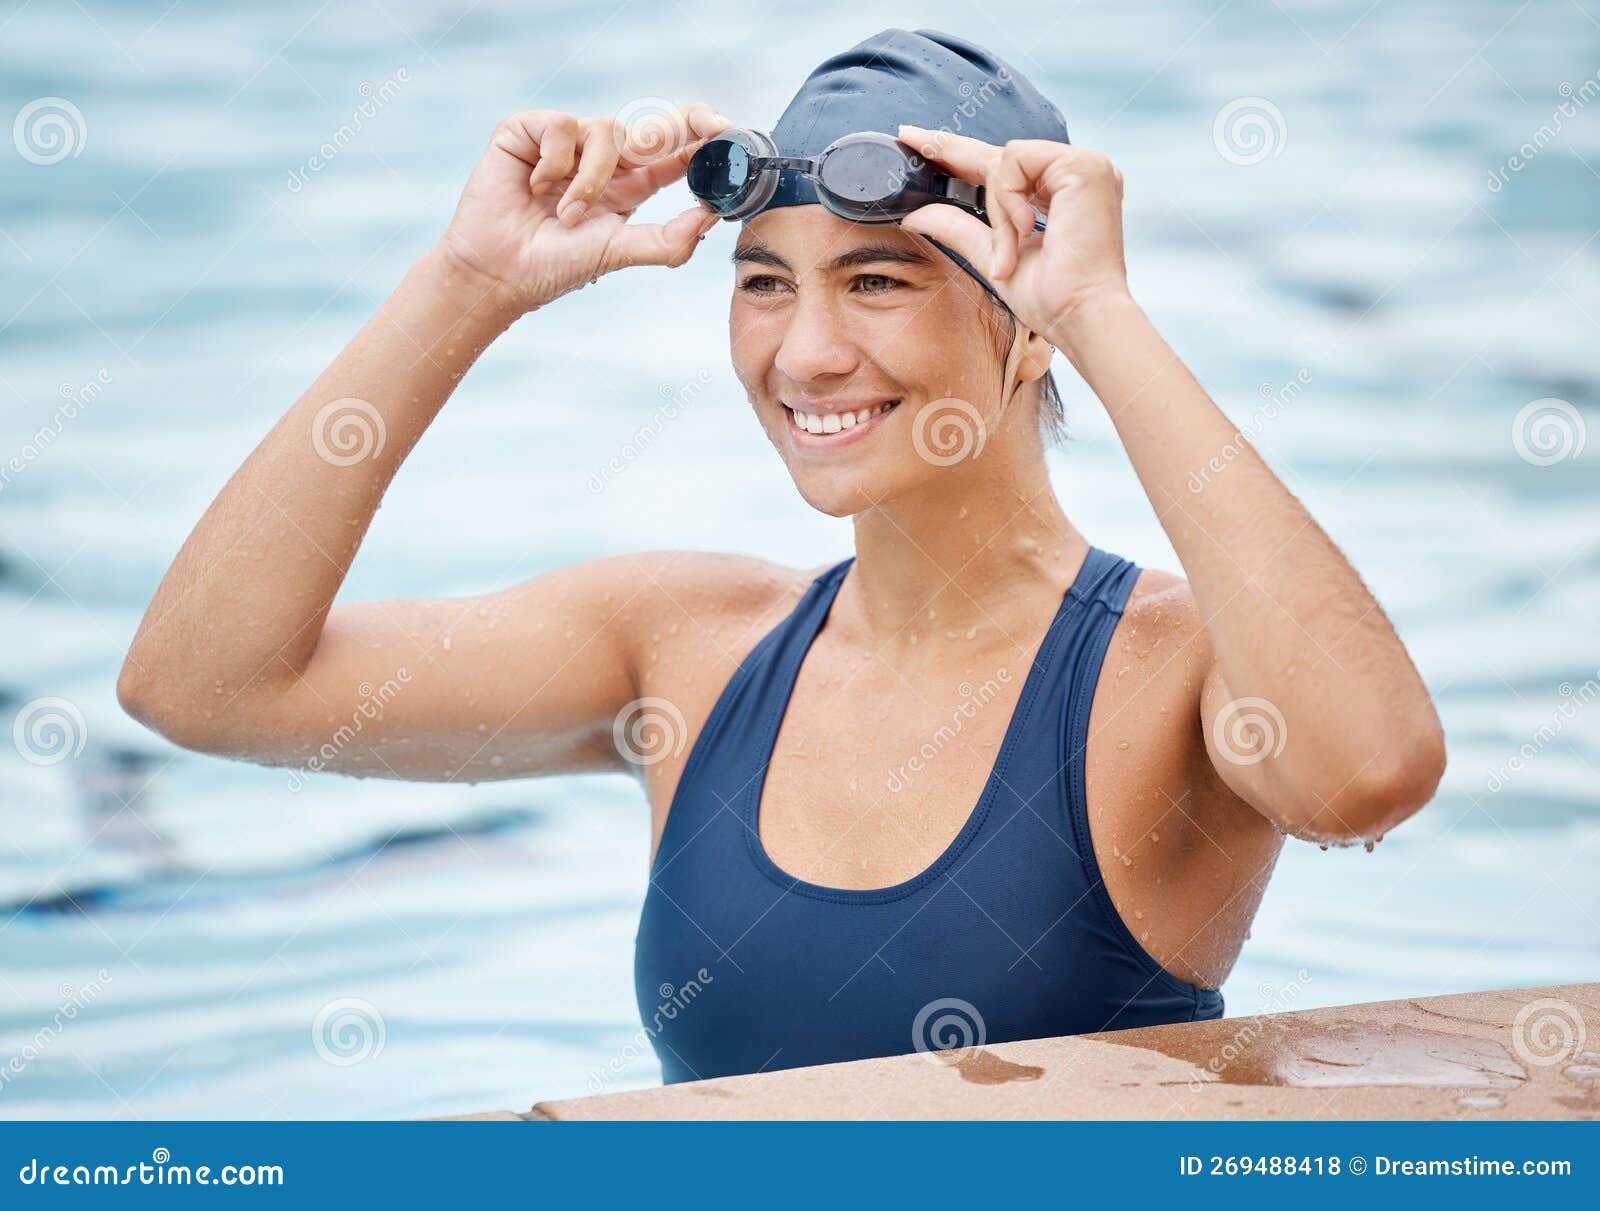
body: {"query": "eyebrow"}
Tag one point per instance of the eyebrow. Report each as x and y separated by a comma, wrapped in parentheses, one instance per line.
(865, 254)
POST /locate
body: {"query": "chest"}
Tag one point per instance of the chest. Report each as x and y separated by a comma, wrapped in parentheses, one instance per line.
(876, 768)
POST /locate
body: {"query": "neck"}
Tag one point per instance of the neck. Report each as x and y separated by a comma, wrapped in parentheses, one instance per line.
(955, 556)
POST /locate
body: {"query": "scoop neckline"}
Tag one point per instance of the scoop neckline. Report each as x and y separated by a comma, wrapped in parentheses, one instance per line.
(772, 725)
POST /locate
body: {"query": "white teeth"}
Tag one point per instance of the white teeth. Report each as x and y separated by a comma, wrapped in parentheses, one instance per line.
(833, 422)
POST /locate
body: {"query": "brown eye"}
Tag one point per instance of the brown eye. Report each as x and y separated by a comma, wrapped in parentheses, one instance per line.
(761, 283)
(876, 283)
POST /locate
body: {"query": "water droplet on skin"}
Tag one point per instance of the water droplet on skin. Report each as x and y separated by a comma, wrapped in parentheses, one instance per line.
(1145, 936)
(972, 632)
(1122, 744)
(445, 643)
(1155, 838)
(1127, 861)
(483, 727)
(1370, 846)
(497, 760)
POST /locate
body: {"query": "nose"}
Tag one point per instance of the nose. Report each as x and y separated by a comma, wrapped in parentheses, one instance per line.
(816, 342)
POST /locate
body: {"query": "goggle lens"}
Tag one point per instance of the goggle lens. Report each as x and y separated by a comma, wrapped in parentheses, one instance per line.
(719, 174)
(865, 173)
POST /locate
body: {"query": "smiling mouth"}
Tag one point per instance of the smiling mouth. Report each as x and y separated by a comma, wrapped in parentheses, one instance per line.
(837, 423)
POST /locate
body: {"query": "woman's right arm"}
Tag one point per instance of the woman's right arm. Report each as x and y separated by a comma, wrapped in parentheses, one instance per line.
(243, 651)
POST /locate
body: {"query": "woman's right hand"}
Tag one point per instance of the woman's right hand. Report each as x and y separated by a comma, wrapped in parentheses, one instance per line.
(546, 210)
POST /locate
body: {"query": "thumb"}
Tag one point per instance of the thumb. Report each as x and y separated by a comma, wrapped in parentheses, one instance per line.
(957, 230)
(670, 243)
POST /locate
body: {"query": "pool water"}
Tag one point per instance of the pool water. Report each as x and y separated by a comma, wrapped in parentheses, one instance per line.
(1322, 217)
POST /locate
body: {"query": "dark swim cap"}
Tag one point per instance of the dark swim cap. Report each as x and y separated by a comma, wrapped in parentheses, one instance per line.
(920, 77)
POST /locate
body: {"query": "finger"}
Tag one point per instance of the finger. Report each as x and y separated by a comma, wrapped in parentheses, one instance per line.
(667, 133)
(957, 230)
(602, 144)
(969, 159)
(630, 186)
(670, 243)
(555, 144)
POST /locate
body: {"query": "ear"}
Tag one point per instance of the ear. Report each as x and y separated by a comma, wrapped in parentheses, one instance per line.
(1036, 355)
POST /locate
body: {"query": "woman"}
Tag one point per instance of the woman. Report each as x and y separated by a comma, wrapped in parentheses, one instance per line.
(980, 774)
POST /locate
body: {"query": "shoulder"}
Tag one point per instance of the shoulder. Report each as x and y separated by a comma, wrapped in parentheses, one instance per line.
(695, 601)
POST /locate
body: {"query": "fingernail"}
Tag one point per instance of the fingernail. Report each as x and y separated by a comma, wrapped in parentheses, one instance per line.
(574, 213)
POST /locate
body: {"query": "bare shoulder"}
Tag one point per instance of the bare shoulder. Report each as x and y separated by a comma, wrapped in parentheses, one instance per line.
(685, 609)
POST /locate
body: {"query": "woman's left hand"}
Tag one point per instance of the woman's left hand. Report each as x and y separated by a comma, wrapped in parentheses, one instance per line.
(1044, 277)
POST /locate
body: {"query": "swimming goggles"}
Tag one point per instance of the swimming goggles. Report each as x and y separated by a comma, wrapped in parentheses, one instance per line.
(867, 177)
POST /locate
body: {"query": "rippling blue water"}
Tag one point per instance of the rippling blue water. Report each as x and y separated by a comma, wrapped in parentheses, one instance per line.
(190, 263)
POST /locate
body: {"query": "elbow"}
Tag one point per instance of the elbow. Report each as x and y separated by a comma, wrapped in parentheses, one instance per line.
(151, 700)
(1389, 788)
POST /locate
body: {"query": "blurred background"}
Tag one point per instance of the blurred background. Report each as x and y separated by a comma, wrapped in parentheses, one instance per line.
(1368, 225)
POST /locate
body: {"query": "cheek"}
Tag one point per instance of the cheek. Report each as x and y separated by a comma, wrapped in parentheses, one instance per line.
(752, 345)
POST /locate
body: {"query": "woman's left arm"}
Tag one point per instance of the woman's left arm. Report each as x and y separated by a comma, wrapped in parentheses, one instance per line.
(1312, 711)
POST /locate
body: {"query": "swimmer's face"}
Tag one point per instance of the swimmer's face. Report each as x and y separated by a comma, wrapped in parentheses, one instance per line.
(830, 317)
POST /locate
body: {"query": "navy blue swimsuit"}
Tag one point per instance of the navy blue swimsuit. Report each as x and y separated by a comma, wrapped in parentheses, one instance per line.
(1010, 934)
